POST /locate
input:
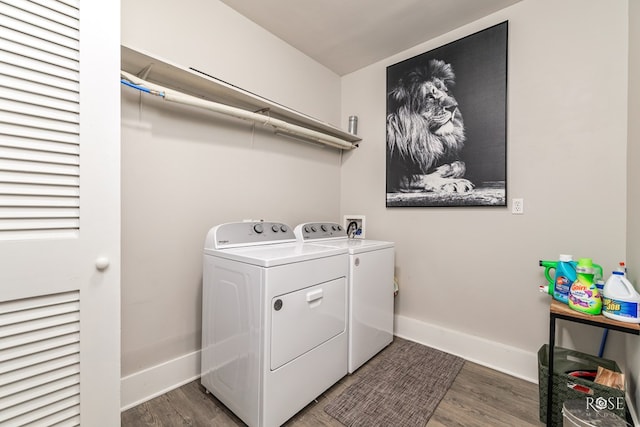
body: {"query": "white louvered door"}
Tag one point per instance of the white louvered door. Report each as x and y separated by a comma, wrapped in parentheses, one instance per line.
(59, 212)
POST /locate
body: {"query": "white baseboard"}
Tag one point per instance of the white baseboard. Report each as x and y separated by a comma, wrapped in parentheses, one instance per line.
(157, 380)
(500, 357)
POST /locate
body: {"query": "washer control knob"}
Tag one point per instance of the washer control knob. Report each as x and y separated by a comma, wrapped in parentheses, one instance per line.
(307, 229)
(313, 228)
(283, 228)
(323, 227)
(334, 228)
(277, 305)
(275, 228)
(258, 228)
(339, 228)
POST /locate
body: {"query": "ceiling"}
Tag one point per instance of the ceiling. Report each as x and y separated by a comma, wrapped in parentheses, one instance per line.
(346, 35)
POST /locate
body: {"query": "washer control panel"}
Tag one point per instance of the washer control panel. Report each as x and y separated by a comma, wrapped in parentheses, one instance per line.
(319, 230)
(234, 234)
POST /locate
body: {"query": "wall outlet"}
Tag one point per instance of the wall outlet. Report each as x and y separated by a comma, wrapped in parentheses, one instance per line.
(354, 225)
(517, 206)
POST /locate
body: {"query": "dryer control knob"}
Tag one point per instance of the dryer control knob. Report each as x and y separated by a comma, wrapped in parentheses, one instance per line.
(307, 229)
(283, 228)
(258, 228)
(275, 228)
(313, 228)
(334, 228)
(323, 227)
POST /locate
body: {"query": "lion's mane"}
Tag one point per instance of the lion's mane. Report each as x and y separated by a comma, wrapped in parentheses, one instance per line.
(424, 126)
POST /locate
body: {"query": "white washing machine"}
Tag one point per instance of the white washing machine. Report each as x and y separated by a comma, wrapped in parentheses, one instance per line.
(274, 320)
(370, 284)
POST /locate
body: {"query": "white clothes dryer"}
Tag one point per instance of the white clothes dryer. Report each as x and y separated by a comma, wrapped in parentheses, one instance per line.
(370, 287)
(274, 320)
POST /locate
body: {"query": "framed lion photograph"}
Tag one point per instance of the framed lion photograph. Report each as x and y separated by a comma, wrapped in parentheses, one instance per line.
(447, 124)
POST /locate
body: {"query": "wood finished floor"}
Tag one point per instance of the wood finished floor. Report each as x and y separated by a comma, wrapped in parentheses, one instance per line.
(479, 397)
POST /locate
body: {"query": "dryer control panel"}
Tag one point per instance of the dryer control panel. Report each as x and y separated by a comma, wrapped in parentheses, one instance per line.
(249, 233)
(319, 230)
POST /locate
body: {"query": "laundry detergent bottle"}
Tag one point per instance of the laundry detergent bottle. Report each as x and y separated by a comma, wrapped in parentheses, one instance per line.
(584, 295)
(620, 301)
(565, 274)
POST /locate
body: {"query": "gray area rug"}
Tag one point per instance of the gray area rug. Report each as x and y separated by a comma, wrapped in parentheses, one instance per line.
(401, 386)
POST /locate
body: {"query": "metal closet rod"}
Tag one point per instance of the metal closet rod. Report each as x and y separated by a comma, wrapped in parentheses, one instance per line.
(279, 125)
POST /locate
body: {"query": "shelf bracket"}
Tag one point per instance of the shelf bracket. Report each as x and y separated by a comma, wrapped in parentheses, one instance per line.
(144, 73)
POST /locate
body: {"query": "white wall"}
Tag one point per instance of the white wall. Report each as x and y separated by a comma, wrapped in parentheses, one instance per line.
(185, 170)
(469, 277)
(633, 191)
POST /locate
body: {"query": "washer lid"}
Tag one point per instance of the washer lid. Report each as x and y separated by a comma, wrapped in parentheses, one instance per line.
(356, 246)
(276, 254)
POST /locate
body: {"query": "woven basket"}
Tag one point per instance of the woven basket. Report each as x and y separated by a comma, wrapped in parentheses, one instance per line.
(566, 360)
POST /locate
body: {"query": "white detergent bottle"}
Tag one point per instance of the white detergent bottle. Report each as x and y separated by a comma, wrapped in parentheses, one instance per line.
(620, 300)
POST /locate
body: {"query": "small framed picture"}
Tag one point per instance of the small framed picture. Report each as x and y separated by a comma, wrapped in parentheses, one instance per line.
(354, 226)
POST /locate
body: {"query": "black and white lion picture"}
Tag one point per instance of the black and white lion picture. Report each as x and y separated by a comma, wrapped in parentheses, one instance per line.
(425, 132)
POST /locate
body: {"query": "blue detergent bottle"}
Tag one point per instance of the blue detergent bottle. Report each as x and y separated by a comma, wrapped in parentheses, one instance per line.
(565, 274)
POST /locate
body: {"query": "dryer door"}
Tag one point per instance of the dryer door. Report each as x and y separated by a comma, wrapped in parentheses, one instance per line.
(304, 319)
